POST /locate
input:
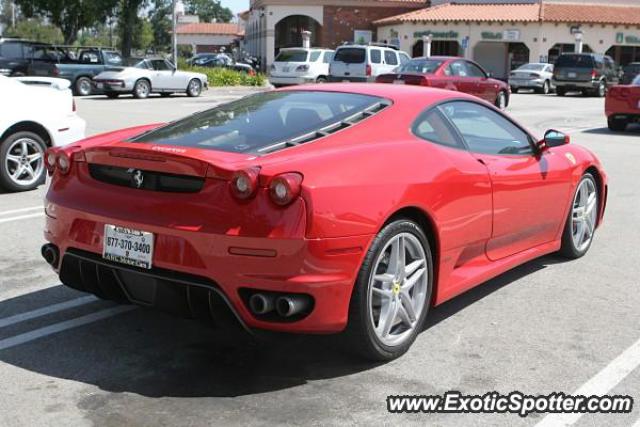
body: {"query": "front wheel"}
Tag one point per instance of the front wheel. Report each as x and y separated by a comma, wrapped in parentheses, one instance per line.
(83, 86)
(321, 80)
(617, 125)
(561, 91)
(546, 88)
(195, 88)
(392, 293)
(582, 220)
(22, 165)
(601, 91)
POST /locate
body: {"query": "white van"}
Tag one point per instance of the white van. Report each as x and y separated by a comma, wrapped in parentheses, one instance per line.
(294, 66)
(358, 63)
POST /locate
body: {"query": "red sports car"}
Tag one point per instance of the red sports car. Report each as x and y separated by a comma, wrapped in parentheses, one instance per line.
(319, 209)
(452, 73)
(622, 105)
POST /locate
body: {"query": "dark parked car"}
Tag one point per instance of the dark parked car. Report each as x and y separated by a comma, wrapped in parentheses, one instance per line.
(224, 61)
(589, 73)
(630, 72)
(20, 58)
(80, 65)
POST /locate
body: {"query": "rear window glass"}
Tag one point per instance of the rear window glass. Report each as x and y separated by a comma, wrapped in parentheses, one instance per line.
(575, 61)
(292, 56)
(424, 66)
(260, 121)
(11, 50)
(376, 56)
(351, 55)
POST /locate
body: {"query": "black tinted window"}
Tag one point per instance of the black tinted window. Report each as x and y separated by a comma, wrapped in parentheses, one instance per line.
(11, 50)
(575, 61)
(390, 58)
(292, 56)
(376, 56)
(351, 55)
(433, 127)
(486, 131)
(259, 121)
(475, 71)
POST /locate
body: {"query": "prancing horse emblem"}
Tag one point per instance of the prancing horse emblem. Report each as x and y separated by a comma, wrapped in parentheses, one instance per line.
(137, 178)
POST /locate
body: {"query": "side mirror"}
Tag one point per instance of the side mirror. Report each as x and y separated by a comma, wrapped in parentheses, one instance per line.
(553, 138)
(489, 74)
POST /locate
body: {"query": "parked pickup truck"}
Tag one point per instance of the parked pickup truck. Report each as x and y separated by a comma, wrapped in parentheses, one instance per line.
(80, 65)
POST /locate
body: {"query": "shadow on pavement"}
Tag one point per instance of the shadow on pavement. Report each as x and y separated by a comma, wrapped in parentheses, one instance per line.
(633, 130)
(155, 355)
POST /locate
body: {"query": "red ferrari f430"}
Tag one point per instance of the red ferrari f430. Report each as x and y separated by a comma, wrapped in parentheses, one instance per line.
(323, 209)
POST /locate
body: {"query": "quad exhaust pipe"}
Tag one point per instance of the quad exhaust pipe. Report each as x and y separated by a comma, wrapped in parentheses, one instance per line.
(285, 306)
(51, 254)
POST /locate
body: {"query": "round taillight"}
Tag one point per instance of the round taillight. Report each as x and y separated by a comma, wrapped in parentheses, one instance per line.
(63, 162)
(50, 160)
(245, 183)
(285, 188)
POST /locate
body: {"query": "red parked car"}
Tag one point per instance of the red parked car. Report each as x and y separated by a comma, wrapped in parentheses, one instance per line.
(622, 105)
(452, 73)
(318, 209)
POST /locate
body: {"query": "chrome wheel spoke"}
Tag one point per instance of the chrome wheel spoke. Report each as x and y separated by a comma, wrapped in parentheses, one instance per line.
(34, 157)
(407, 307)
(390, 317)
(411, 268)
(382, 293)
(584, 214)
(384, 277)
(13, 158)
(411, 281)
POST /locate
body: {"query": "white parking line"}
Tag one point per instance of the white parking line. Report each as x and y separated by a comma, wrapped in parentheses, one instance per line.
(18, 218)
(600, 384)
(62, 326)
(11, 320)
(15, 211)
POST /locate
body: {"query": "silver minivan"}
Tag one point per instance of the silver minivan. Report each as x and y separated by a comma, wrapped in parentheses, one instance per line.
(358, 63)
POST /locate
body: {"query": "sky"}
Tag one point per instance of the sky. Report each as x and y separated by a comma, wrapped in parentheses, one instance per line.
(236, 6)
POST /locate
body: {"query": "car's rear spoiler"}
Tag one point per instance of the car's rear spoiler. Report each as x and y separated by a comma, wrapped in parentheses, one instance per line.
(52, 82)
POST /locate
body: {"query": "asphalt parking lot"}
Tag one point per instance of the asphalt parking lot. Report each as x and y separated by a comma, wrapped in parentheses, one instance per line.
(547, 326)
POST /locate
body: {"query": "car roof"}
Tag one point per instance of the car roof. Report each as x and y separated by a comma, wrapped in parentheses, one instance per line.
(420, 95)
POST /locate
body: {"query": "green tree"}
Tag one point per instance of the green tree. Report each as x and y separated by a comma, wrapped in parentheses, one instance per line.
(69, 15)
(36, 30)
(160, 20)
(208, 10)
(129, 24)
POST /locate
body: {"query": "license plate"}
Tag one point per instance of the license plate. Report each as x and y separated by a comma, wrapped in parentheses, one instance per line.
(99, 85)
(345, 81)
(572, 75)
(128, 246)
(286, 69)
(398, 82)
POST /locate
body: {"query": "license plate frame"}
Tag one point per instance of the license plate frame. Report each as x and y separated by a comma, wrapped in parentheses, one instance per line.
(399, 82)
(128, 246)
(572, 75)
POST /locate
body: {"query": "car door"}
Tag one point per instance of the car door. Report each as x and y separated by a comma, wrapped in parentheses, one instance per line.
(530, 191)
(486, 88)
(162, 75)
(462, 81)
(391, 61)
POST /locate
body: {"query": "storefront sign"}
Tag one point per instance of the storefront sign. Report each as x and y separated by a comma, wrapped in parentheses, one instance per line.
(436, 34)
(628, 39)
(506, 35)
(362, 36)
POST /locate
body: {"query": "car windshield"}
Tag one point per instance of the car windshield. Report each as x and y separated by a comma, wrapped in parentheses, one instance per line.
(575, 61)
(292, 56)
(350, 55)
(259, 121)
(424, 66)
(532, 67)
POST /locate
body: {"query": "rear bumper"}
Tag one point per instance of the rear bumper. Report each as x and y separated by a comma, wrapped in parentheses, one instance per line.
(521, 83)
(291, 80)
(352, 79)
(69, 132)
(576, 85)
(324, 269)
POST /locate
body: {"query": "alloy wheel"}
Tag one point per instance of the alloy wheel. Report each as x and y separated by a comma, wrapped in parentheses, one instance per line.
(398, 288)
(25, 161)
(584, 214)
(194, 88)
(142, 89)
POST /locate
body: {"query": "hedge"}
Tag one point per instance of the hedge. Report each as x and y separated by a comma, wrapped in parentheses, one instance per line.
(225, 77)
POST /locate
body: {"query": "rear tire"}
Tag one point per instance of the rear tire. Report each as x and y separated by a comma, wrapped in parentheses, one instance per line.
(321, 80)
(617, 125)
(31, 163)
(362, 334)
(545, 89)
(502, 100)
(83, 86)
(581, 221)
(601, 91)
(142, 89)
(561, 91)
(515, 89)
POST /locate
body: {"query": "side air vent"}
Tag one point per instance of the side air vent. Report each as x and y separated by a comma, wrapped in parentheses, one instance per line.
(327, 130)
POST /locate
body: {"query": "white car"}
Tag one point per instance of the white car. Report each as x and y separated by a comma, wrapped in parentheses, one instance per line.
(35, 113)
(536, 76)
(147, 76)
(294, 66)
(360, 63)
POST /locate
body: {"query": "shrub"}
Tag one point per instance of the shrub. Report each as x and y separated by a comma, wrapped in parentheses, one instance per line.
(224, 77)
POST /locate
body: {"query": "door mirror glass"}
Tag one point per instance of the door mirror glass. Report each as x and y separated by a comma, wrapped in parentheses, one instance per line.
(554, 138)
